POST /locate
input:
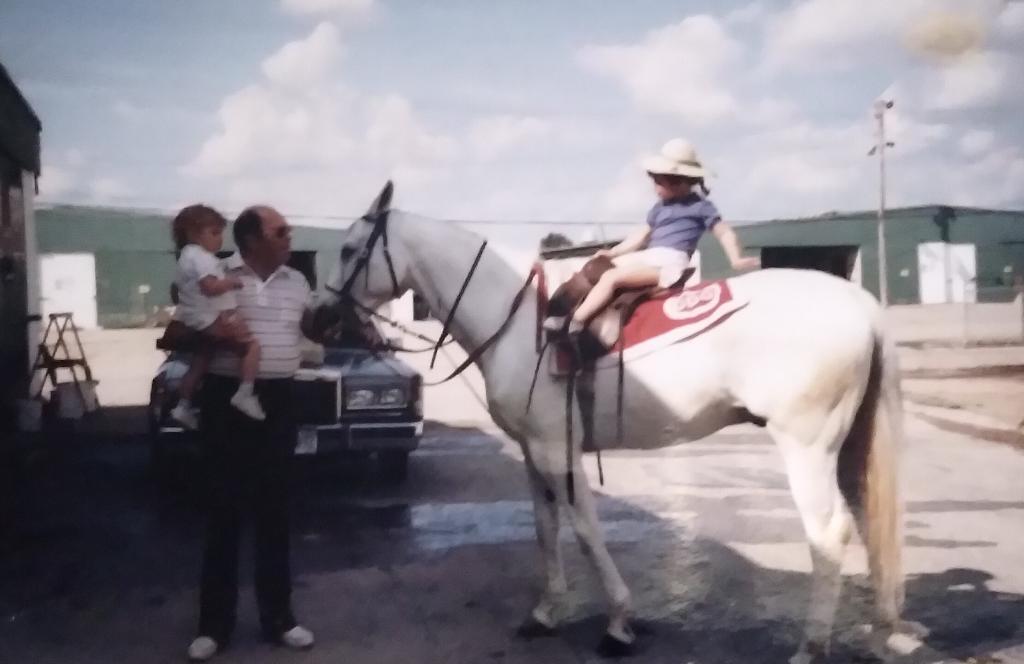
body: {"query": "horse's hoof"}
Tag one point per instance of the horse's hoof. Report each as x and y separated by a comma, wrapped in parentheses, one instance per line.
(534, 629)
(611, 646)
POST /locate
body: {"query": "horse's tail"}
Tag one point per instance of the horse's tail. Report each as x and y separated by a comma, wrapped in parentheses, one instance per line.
(868, 472)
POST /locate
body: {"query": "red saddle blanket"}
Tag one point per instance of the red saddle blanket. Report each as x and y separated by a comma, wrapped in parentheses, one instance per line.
(665, 319)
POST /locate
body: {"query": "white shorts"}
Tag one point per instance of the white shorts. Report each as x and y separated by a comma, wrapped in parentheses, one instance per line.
(671, 263)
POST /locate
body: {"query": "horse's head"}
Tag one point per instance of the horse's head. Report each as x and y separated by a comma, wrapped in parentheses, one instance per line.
(369, 271)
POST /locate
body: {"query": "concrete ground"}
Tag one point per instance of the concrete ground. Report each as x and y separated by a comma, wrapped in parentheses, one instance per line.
(103, 563)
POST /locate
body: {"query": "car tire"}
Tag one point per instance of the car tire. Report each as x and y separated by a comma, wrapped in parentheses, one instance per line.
(393, 466)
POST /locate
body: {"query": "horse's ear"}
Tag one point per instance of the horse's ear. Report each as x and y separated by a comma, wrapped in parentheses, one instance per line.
(381, 204)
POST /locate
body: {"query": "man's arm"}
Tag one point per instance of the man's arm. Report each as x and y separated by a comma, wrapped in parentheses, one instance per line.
(211, 286)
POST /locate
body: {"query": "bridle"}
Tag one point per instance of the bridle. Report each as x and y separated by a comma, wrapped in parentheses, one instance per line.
(379, 233)
(379, 220)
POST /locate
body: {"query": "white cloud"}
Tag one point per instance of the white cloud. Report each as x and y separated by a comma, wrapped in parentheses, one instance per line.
(976, 81)
(838, 33)
(396, 137)
(995, 179)
(74, 157)
(303, 139)
(976, 141)
(751, 13)
(491, 136)
(678, 70)
(630, 194)
(55, 182)
(912, 134)
(805, 30)
(336, 7)
(770, 111)
(107, 189)
(1011, 19)
(306, 62)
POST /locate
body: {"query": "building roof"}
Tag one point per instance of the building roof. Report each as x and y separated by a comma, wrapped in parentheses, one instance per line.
(910, 212)
(19, 125)
(89, 229)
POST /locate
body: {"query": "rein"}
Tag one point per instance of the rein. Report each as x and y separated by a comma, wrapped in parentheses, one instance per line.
(344, 294)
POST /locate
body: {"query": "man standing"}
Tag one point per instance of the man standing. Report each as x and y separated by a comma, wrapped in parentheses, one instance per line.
(248, 460)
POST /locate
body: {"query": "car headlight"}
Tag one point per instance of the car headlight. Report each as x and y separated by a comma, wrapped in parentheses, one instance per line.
(393, 397)
(360, 399)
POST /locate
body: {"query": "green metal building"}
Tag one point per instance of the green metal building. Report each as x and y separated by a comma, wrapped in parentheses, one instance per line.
(132, 257)
(935, 253)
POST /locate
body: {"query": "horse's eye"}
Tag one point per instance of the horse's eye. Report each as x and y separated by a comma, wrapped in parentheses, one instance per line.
(347, 253)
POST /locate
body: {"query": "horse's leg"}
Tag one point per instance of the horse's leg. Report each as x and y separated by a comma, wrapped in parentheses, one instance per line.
(543, 619)
(811, 462)
(583, 515)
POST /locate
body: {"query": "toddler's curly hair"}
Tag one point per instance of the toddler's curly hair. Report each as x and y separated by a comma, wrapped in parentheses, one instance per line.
(192, 219)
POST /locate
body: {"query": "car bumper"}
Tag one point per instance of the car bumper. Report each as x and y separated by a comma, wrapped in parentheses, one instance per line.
(363, 437)
(358, 437)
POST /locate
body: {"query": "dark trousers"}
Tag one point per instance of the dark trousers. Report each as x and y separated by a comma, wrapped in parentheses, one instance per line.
(248, 465)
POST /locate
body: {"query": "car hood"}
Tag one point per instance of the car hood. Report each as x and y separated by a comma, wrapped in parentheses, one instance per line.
(360, 363)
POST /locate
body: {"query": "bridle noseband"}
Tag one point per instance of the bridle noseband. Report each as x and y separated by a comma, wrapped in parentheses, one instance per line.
(379, 219)
(379, 232)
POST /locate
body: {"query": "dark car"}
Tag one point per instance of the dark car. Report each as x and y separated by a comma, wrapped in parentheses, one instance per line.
(359, 401)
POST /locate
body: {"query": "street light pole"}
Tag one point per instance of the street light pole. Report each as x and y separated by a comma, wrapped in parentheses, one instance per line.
(881, 106)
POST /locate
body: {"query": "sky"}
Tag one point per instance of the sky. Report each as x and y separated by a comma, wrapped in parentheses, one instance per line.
(533, 110)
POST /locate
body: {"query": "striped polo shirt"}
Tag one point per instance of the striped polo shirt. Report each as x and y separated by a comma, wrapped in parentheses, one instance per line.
(273, 311)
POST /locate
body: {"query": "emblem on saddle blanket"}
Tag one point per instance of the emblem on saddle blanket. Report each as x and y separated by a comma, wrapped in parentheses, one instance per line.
(665, 319)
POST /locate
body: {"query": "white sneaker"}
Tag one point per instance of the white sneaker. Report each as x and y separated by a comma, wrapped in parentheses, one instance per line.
(186, 417)
(298, 637)
(250, 405)
(554, 323)
(202, 649)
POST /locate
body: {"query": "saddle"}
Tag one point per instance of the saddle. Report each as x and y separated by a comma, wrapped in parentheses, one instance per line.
(604, 329)
(666, 316)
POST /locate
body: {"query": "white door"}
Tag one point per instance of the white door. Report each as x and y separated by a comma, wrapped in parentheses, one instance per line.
(947, 272)
(67, 283)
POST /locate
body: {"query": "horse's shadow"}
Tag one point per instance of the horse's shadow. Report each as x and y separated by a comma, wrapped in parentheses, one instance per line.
(94, 545)
(720, 606)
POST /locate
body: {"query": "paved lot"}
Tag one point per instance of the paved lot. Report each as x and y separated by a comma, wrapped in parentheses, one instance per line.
(103, 565)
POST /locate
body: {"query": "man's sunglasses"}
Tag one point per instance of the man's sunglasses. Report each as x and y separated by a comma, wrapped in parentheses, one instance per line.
(281, 232)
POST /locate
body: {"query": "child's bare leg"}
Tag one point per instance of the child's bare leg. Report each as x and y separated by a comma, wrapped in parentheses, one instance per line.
(245, 399)
(200, 363)
(602, 292)
(182, 411)
(250, 363)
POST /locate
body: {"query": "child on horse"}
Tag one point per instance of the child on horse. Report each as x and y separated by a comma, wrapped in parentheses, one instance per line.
(658, 253)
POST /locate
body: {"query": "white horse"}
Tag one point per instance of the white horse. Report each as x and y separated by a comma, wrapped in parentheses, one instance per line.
(807, 357)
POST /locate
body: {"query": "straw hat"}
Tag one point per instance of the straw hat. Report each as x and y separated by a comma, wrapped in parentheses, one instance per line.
(677, 157)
